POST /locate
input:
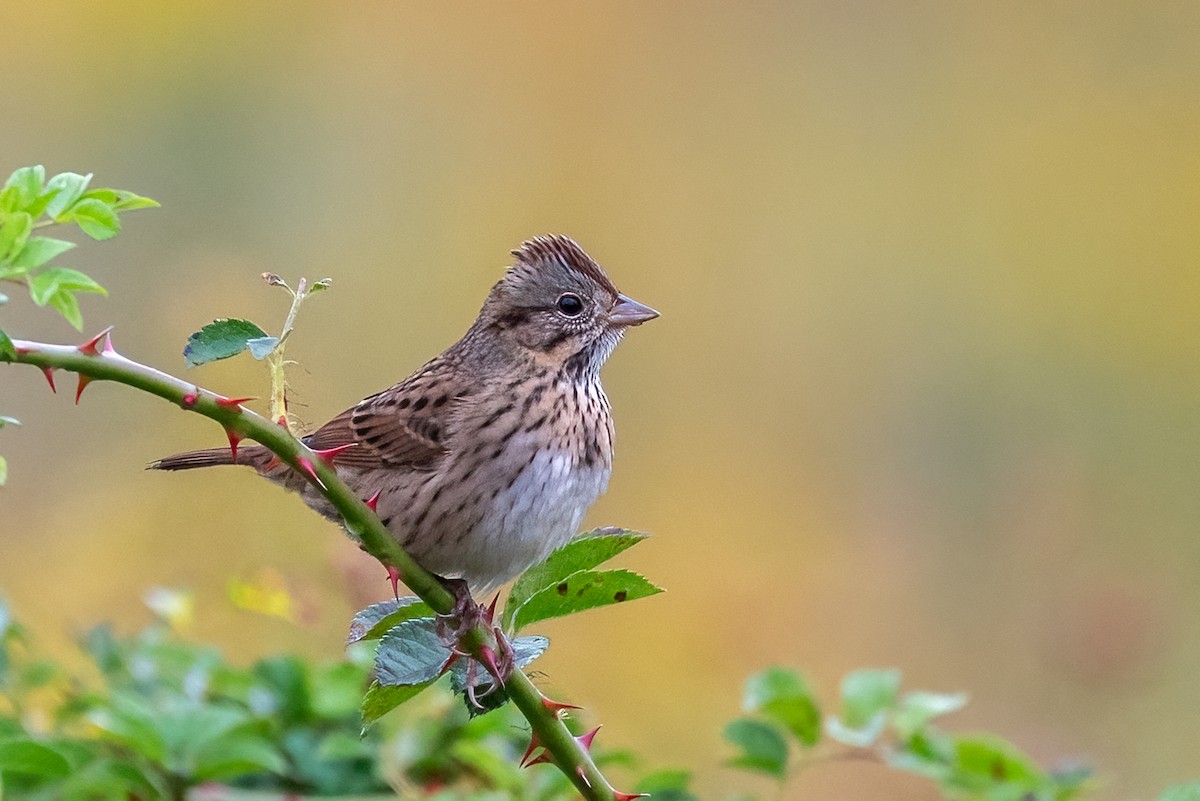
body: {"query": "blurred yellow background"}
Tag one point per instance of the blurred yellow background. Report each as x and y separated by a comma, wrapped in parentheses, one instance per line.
(923, 393)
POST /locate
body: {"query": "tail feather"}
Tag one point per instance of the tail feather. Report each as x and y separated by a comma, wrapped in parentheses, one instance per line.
(251, 456)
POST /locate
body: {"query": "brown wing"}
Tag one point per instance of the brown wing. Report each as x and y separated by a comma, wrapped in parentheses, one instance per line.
(405, 425)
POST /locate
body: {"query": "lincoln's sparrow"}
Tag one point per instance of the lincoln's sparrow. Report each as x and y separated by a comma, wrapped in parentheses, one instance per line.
(486, 458)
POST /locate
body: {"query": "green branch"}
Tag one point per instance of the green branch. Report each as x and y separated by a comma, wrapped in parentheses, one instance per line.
(97, 361)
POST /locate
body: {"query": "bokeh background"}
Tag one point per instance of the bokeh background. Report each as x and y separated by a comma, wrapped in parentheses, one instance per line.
(923, 393)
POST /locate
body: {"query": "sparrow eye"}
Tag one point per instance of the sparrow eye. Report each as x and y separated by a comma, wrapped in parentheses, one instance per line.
(570, 304)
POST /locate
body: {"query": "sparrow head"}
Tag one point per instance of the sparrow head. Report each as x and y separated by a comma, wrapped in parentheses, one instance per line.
(556, 303)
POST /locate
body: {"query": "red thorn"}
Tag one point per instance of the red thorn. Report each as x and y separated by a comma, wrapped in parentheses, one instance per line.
(490, 612)
(271, 465)
(306, 467)
(233, 403)
(488, 657)
(529, 760)
(234, 439)
(83, 382)
(373, 501)
(89, 348)
(108, 345)
(586, 739)
(189, 400)
(49, 373)
(329, 454)
(617, 794)
(557, 706)
(394, 577)
(282, 422)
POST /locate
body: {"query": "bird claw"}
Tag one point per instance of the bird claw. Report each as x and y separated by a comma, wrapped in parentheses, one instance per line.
(466, 616)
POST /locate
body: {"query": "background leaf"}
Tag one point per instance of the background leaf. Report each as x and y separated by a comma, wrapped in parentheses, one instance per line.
(27, 756)
(783, 696)
(95, 218)
(380, 700)
(377, 619)
(866, 693)
(762, 748)
(68, 188)
(220, 339)
(580, 591)
(7, 349)
(39, 250)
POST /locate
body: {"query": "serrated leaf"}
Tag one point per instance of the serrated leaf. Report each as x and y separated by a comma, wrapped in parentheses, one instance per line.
(582, 553)
(866, 693)
(261, 347)
(580, 591)
(761, 747)
(52, 280)
(377, 619)
(8, 351)
(95, 218)
(29, 757)
(917, 709)
(27, 181)
(783, 696)
(410, 653)
(220, 339)
(66, 305)
(39, 250)
(14, 233)
(68, 188)
(380, 700)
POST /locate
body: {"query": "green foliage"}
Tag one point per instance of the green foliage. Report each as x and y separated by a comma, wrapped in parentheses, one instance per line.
(220, 339)
(897, 728)
(1182, 792)
(29, 202)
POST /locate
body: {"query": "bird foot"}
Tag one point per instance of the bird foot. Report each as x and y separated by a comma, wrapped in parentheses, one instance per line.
(497, 662)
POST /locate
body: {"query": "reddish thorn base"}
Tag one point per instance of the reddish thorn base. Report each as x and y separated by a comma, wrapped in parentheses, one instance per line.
(394, 577)
(488, 657)
(89, 348)
(617, 794)
(282, 422)
(83, 382)
(586, 739)
(234, 439)
(49, 373)
(534, 745)
(489, 614)
(373, 502)
(271, 465)
(189, 400)
(329, 454)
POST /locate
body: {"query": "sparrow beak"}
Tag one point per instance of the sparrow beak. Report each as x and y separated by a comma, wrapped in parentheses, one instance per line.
(629, 312)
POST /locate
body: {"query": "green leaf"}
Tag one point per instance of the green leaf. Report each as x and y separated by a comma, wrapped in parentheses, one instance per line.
(120, 199)
(27, 184)
(1181, 792)
(220, 340)
(411, 653)
(582, 553)
(10, 200)
(761, 746)
(983, 761)
(783, 696)
(3, 471)
(261, 347)
(917, 709)
(68, 188)
(14, 233)
(95, 218)
(378, 619)
(866, 693)
(5, 420)
(39, 250)
(26, 756)
(380, 700)
(237, 754)
(66, 305)
(8, 351)
(53, 280)
(587, 589)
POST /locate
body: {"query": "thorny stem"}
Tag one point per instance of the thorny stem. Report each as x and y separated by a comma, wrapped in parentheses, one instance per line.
(105, 364)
